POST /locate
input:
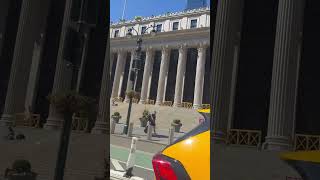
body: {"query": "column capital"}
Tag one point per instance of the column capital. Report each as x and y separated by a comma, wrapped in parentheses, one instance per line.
(165, 49)
(182, 48)
(202, 45)
(120, 50)
(149, 48)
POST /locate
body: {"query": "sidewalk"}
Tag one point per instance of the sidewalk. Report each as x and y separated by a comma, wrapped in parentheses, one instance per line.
(165, 115)
(160, 138)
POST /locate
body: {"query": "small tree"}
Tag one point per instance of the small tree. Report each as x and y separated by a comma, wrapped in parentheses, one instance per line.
(116, 117)
(144, 118)
(67, 103)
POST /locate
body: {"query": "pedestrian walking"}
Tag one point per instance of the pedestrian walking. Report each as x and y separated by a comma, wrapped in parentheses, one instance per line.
(151, 122)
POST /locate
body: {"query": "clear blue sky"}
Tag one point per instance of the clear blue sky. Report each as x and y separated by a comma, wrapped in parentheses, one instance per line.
(144, 8)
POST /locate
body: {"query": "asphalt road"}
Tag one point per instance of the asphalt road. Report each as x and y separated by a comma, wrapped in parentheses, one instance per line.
(119, 152)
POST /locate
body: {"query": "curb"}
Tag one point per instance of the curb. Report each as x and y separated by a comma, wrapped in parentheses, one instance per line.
(142, 140)
(118, 175)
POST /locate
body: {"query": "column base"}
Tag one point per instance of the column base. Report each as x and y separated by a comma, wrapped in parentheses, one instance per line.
(219, 137)
(100, 128)
(158, 103)
(176, 104)
(197, 106)
(53, 123)
(6, 120)
(142, 102)
(277, 143)
(126, 100)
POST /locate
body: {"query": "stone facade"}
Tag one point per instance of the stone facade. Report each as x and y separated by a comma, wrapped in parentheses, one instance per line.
(182, 32)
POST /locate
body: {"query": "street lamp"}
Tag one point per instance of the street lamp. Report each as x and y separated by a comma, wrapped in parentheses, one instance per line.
(136, 66)
(83, 28)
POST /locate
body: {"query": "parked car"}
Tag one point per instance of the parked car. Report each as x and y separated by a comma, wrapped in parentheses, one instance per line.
(188, 157)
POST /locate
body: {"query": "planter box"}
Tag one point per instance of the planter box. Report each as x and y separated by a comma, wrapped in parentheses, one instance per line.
(177, 127)
(143, 123)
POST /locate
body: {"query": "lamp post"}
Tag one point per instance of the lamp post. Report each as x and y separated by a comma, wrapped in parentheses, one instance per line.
(136, 66)
(83, 28)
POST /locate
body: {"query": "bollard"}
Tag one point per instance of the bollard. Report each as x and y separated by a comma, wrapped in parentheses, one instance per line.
(130, 129)
(131, 158)
(113, 127)
(171, 135)
(149, 133)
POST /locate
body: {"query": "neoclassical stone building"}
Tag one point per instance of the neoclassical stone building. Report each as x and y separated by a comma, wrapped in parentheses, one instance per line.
(176, 60)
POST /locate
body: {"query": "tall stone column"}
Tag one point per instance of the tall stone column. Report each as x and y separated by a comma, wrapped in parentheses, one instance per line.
(130, 83)
(34, 73)
(146, 75)
(122, 55)
(30, 20)
(181, 70)
(111, 61)
(199, 79)
(284, 75)
(228, 23)
(101, 125)
(164, 68)
(55, 119)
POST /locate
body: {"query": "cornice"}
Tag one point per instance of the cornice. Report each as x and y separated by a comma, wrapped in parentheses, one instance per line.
(162, 17)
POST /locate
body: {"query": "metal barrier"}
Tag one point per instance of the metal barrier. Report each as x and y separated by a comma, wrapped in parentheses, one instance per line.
(20, 119)
(187, 105)
(118, 99)
(244, 137)
(304, 142)
(167, 103)
(79, 124)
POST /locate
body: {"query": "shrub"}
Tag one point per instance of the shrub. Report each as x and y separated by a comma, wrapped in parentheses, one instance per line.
(21, 166)
(176, 122)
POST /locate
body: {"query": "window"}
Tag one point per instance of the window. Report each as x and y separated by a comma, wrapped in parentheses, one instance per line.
(116, 33)
(193, 23)
(175, 26)
(143, 29)
(159, 28)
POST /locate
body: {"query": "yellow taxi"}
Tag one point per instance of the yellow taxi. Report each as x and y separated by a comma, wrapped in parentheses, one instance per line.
(188, 157)
(306, 163)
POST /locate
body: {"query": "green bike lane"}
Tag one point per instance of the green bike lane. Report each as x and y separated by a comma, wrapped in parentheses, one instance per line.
(143, 159)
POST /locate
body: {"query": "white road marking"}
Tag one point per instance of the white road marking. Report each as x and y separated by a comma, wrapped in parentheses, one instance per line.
(143, 152)
(117, 165)
(134, 165)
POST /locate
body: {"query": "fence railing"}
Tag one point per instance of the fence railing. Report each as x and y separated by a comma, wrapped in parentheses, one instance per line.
(20, 119)
(304, 142)
(80, 124)
(293, 178)
(118, 99)
(244, 137)
(167, 103)
(150, 101)
(205, 106)
(187, 105)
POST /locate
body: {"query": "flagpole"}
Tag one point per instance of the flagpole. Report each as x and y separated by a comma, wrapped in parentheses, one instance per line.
(124, 9)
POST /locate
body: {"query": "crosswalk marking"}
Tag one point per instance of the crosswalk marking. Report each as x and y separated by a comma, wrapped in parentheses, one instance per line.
(117, 165)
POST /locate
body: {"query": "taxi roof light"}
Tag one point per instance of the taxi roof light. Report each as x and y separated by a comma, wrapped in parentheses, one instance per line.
(163, 169)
